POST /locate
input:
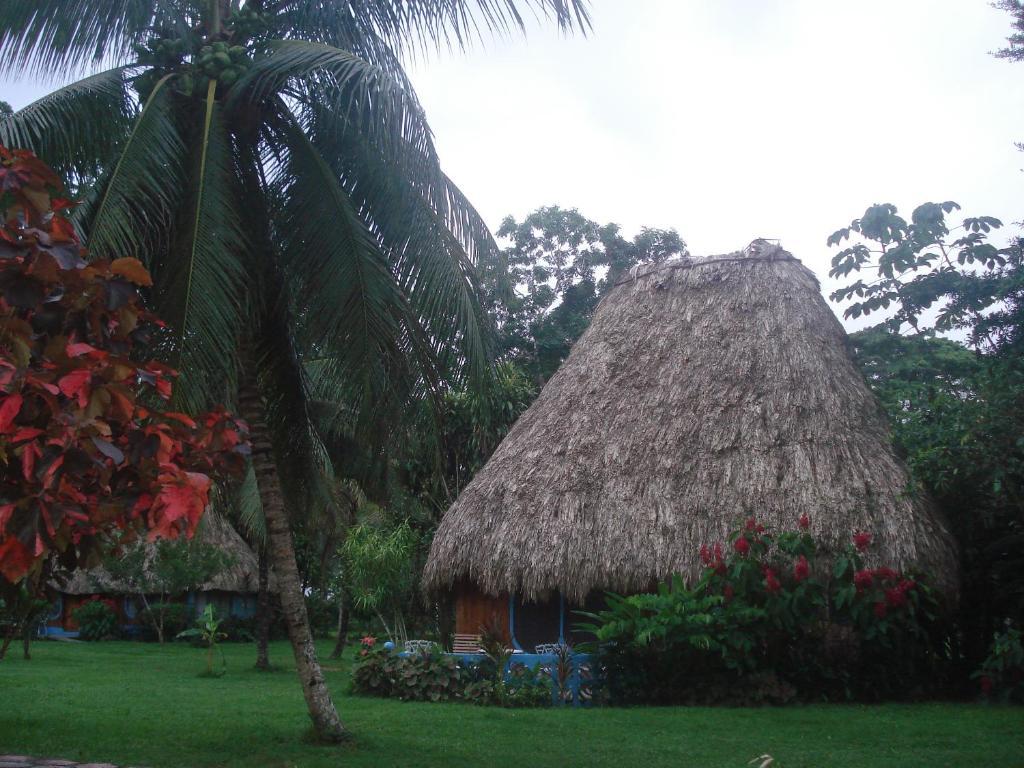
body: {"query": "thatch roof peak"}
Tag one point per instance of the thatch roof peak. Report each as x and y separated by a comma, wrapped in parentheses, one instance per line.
(704, 391)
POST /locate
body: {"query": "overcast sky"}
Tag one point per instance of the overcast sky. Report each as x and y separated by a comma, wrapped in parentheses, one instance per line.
(733, 119)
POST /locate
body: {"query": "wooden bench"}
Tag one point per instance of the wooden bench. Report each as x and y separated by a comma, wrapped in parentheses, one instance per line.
(466, 643)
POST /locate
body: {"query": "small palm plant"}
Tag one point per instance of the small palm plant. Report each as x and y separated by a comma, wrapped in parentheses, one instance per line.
(207, 629)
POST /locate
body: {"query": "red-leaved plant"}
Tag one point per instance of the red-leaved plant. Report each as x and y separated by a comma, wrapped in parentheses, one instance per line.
(87, 443)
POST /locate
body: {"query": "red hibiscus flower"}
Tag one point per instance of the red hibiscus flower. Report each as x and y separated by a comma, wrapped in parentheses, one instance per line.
(771, 584)
(880, 610)
(802, 569)
(742, 546)
(895, 598)
(705, 554)
(804, 522)
(862, 540)
(862, 580)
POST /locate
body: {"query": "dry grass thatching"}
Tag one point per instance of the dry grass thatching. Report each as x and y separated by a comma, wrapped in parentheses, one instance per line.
(242, 576)
(703, 392)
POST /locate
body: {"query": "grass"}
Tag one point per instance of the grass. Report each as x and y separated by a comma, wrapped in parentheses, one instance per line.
(141, 704)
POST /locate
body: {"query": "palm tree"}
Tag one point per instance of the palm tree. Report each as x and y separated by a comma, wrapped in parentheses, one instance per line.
(270, 163)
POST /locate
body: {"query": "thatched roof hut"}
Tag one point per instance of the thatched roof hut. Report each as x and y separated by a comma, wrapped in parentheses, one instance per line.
(703, 392)
(241, 577)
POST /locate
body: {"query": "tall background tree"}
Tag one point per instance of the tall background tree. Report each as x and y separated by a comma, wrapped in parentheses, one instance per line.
(543, 287)
(957, 408)
(270, 163)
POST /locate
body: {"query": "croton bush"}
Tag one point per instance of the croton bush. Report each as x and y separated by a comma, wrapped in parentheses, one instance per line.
(771, 620)
(88, 443)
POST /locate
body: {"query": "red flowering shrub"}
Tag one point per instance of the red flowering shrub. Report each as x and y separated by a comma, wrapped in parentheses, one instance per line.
(87, 442)
(862, 540)
(802, 569)
(766, 615)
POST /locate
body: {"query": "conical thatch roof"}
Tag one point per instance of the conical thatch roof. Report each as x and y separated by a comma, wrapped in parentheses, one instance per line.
(704, 391)
(242, 576)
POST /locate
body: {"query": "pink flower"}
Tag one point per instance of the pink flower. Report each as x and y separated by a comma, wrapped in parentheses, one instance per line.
(742, 546)
(802, 569)
(804, 522)
(862, 540)
(705, 554)
(863, 580)
(369, 641)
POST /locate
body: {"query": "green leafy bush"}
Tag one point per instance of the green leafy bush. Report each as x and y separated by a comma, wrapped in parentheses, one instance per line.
(96, 621)
(176, 618)
(434, 676)
(767, 623)
(1001, 676)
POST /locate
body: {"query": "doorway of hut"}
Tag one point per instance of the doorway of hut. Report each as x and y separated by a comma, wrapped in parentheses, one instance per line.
(552, 619)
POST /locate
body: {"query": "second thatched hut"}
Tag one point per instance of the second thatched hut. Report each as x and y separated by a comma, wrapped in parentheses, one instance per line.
(703, 392)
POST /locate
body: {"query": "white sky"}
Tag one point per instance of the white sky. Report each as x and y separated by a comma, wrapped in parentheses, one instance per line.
(733, 119)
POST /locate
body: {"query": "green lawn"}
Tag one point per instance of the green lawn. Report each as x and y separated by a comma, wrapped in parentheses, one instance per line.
(140, 704)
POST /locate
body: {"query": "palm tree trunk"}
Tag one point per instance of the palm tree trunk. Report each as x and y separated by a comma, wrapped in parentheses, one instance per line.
(326, 723)
(263, 612)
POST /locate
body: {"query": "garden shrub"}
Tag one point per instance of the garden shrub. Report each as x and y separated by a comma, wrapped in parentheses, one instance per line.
(96, 621)
(768, 623)
(431, 675)
(1001, 676)
(177, 617)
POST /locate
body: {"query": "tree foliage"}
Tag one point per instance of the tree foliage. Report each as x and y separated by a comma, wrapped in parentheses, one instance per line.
(87, 441)
(957, 411)
(542, 289)
(165, 569)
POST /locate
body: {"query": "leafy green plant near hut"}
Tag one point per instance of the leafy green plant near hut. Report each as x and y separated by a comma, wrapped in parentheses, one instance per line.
(96, 621)
(430, 675)
(1001, 675)
(772, 619)
(208, 632)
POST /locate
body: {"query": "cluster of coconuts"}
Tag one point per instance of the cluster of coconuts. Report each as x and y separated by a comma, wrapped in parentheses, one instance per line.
(248, 22)
(161, 55)
(219, 60)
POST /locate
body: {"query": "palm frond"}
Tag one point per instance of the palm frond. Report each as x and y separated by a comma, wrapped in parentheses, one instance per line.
(424, 226)
(202, 285)
(248, 508)
(425, 24)
(302, 459)
(142, 190)
(53, 37)
(365, 96)
(77, 128)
